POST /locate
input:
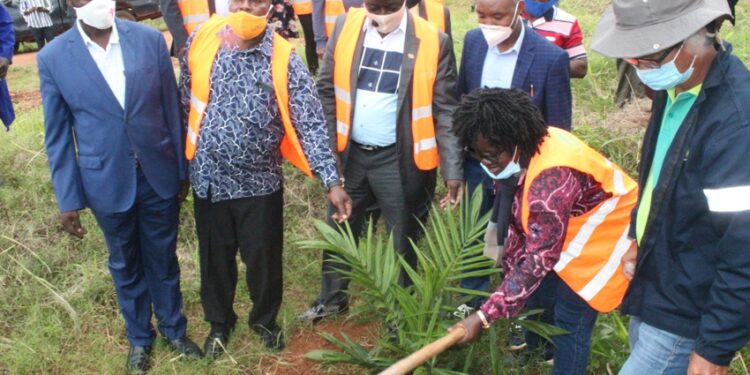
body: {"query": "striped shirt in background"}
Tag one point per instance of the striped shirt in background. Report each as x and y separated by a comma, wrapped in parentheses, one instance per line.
(562, 29)
(36, 19)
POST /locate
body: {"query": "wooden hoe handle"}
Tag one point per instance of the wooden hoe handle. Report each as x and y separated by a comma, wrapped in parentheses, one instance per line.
(426, 353)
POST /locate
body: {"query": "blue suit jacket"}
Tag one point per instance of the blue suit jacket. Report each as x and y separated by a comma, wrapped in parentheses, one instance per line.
(91, 141)
(540, 63)
(7, 41)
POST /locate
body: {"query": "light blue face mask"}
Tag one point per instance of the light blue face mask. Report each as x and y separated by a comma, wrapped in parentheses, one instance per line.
(666, 76)
(509, 170)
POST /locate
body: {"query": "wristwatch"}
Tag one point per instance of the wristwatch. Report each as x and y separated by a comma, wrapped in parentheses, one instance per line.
(339, 182)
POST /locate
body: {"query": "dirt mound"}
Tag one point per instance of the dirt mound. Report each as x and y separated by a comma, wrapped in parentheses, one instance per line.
(293, 362)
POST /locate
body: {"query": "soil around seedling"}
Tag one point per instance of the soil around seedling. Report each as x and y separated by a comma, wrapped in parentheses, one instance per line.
(305, 339)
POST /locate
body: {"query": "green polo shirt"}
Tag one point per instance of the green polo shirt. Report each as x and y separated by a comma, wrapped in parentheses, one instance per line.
(675, 112)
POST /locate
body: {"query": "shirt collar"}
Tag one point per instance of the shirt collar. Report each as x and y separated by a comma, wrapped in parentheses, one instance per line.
(367, 27)
(517, 46)
(695, 91)
(114, 37)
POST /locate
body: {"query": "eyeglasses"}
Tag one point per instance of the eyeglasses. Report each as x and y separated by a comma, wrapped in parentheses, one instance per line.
(652, 63)
(489, 158)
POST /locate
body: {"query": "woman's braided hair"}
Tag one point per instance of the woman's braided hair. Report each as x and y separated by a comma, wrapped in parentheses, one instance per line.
(506, 118)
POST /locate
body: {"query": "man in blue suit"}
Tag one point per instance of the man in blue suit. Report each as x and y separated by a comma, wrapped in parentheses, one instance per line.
(503, 53)
(114, 143)
(7, 41)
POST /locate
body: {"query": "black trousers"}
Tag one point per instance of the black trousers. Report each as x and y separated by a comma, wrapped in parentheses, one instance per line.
(372, 177)
(310, 49)
(255, 226)
(42, 36)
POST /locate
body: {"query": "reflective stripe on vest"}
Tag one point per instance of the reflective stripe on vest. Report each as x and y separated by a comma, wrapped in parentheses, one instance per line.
(194, 13)
(434, 13)
(333, 9)
(302, 7)
(595, 241)
(201, 57)
(425, 70)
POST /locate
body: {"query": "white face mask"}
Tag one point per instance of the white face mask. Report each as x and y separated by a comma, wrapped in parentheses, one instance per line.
(387, 22)
(512, 168)
(98, 14)
(494, 35)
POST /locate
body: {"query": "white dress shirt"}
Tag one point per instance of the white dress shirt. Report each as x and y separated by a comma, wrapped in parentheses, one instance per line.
(376, 105)
(221, 7)
(109, 61)
(499, 67)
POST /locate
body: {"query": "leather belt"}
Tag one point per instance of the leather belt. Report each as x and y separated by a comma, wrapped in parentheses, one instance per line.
(371, 148)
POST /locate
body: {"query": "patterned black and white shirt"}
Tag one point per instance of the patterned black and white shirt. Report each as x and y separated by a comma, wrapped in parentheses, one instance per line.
(238, 146)
(36, 19)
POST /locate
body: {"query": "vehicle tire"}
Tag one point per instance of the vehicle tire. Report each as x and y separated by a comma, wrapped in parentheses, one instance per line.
(125, 15)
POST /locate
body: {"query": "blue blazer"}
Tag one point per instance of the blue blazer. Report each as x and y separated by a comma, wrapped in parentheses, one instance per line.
(7, 41)
(540, 63)
(92, 143)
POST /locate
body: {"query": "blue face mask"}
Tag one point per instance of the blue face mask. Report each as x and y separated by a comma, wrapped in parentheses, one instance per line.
(666, 76)
(536, 9)
(509, 170)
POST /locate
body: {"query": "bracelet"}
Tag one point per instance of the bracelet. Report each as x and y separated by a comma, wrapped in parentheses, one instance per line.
(485, 324)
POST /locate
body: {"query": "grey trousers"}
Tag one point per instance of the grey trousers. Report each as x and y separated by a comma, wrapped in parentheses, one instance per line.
(372, 178)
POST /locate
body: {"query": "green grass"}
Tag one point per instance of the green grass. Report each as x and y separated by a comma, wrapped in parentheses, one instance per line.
(58, 307)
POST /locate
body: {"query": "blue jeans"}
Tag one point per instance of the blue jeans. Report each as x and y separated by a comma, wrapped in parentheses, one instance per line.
(654, 351)
(567, 310)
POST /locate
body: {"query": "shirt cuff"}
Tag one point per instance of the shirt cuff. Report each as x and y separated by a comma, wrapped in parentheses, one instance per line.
(713, 354)
(328, 175)
(490, 310)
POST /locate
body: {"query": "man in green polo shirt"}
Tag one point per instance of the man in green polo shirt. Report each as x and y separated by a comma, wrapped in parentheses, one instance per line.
(677, 108)
(689, 298)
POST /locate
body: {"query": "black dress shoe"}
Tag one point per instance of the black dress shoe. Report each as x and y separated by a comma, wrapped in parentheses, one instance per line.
(139, 359)
(186, 347)
(319, 311)
(215, 344)
(272, 337)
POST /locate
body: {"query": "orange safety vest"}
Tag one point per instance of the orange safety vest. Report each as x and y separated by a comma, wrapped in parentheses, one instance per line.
(302, 7)
(333, 9)
(200, 60)
(194, 13)
(434, 13)
(595, 241)
(423, 80)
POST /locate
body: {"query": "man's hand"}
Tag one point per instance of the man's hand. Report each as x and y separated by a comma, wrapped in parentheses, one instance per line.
(455, 188)
(184, 189)
(628, 261)
(4, 64)
(473, 326)
(320, 52)
(701, 366)
(340, 199)
(71, 222)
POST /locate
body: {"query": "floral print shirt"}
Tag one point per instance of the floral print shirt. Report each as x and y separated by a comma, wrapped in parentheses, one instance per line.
(238, 152)
(554, 196)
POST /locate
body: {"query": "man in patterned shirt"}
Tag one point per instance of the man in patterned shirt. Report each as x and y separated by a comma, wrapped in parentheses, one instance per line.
(568, 223)
(36, 14)
(236, 163)
(559, 27)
